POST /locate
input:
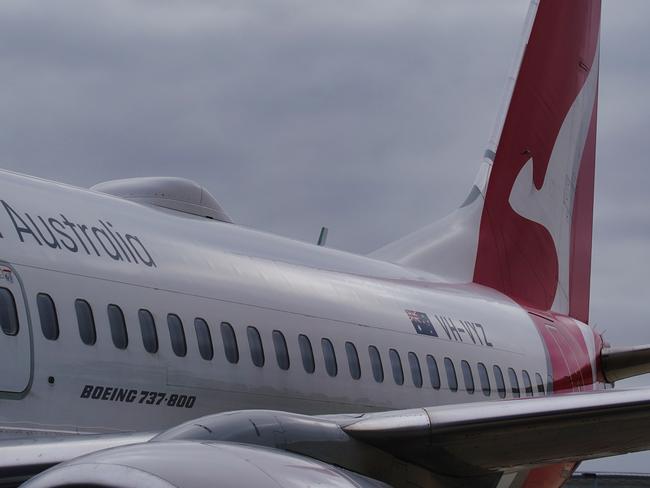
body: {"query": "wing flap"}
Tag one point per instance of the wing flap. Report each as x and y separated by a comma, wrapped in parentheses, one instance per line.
(488, 436)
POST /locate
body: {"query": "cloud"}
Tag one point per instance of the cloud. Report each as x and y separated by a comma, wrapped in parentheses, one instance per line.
(334, 107)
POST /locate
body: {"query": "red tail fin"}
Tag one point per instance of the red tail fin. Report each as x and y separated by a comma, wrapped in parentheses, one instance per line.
(525, 228)
(535, 232)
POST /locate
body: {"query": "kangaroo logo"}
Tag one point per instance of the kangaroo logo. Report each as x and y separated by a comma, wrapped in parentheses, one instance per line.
(552, 205)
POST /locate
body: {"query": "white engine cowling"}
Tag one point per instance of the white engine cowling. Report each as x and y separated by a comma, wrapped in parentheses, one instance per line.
(191, 464)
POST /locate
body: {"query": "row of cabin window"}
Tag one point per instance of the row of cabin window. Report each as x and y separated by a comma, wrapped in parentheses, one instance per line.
(416, 371)
(87, 331)
(86, 322)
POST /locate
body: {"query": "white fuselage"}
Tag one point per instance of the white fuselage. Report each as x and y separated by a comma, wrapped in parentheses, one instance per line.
(195, 267)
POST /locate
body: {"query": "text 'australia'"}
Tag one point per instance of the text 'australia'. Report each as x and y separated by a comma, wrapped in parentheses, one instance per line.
(60, 233)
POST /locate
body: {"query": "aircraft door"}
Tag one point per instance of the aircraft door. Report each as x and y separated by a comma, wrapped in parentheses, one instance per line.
(15, 336)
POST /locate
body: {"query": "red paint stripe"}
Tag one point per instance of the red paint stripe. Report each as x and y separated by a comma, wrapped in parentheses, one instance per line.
(572, 371)
(568, 353)
(553, 476)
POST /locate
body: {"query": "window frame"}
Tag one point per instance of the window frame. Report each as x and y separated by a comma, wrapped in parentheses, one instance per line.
(329, 356)
(468, 377)
(8, 314)
(306, 354)
(484, 379)
(416, 369)
(434, 372)
(51, 329)
(540, 384)
(255, 346)
(514, 383)
(376, 364)
(281, 350)
(528, 384)
(203, 339)
(177, 337)
(150, 336)
(452, 377)
(229, 340)
(396, 366)
(118, 329)
(500, 380)
(353, 360)
(87, 327)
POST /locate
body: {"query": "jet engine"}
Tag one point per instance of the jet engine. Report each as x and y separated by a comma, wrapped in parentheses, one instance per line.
(193, 464)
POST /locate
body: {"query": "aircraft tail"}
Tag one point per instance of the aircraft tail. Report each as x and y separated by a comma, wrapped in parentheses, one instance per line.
(526, 227)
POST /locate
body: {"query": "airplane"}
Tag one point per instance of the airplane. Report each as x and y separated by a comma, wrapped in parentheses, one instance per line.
(146, 339)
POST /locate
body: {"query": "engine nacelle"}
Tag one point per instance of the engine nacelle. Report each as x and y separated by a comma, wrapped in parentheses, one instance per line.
(192, 464)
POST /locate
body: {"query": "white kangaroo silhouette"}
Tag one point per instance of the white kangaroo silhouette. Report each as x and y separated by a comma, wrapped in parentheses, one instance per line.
(552, 205)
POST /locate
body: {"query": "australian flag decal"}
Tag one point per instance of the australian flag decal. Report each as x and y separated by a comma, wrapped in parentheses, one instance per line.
(421, 323)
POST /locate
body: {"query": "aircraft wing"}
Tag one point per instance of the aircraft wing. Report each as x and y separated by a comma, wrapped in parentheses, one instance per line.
(489, 436)
(475, 440)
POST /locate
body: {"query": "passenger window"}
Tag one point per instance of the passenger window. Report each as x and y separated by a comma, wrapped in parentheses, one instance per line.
(416, 372)
(528, 386)
(177, 335)
(118, 326)
(204, 339)
(229, 343)
(501, 385)
(549, 384)
(281, 351)
(353, 360)
(514, 383)
(452, 381)
(85, 321)
(396, 365)
(484, 378)
(375, 361)
(148, 331)
(47, 314)
(540, 383)
(8, 313)
(468, 378)
(330, 357)
(307, 353)
(434, 374)
(255, 344)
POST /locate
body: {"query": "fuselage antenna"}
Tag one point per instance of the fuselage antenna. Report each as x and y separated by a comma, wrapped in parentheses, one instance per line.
(322, 238)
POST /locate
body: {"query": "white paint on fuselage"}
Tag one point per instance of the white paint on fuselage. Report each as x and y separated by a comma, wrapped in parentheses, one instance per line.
(227, 273)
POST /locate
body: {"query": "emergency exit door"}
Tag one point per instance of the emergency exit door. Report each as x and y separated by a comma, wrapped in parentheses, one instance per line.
(15, 335)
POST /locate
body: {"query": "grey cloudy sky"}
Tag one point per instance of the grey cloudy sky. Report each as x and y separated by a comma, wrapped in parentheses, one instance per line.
(368, 116)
